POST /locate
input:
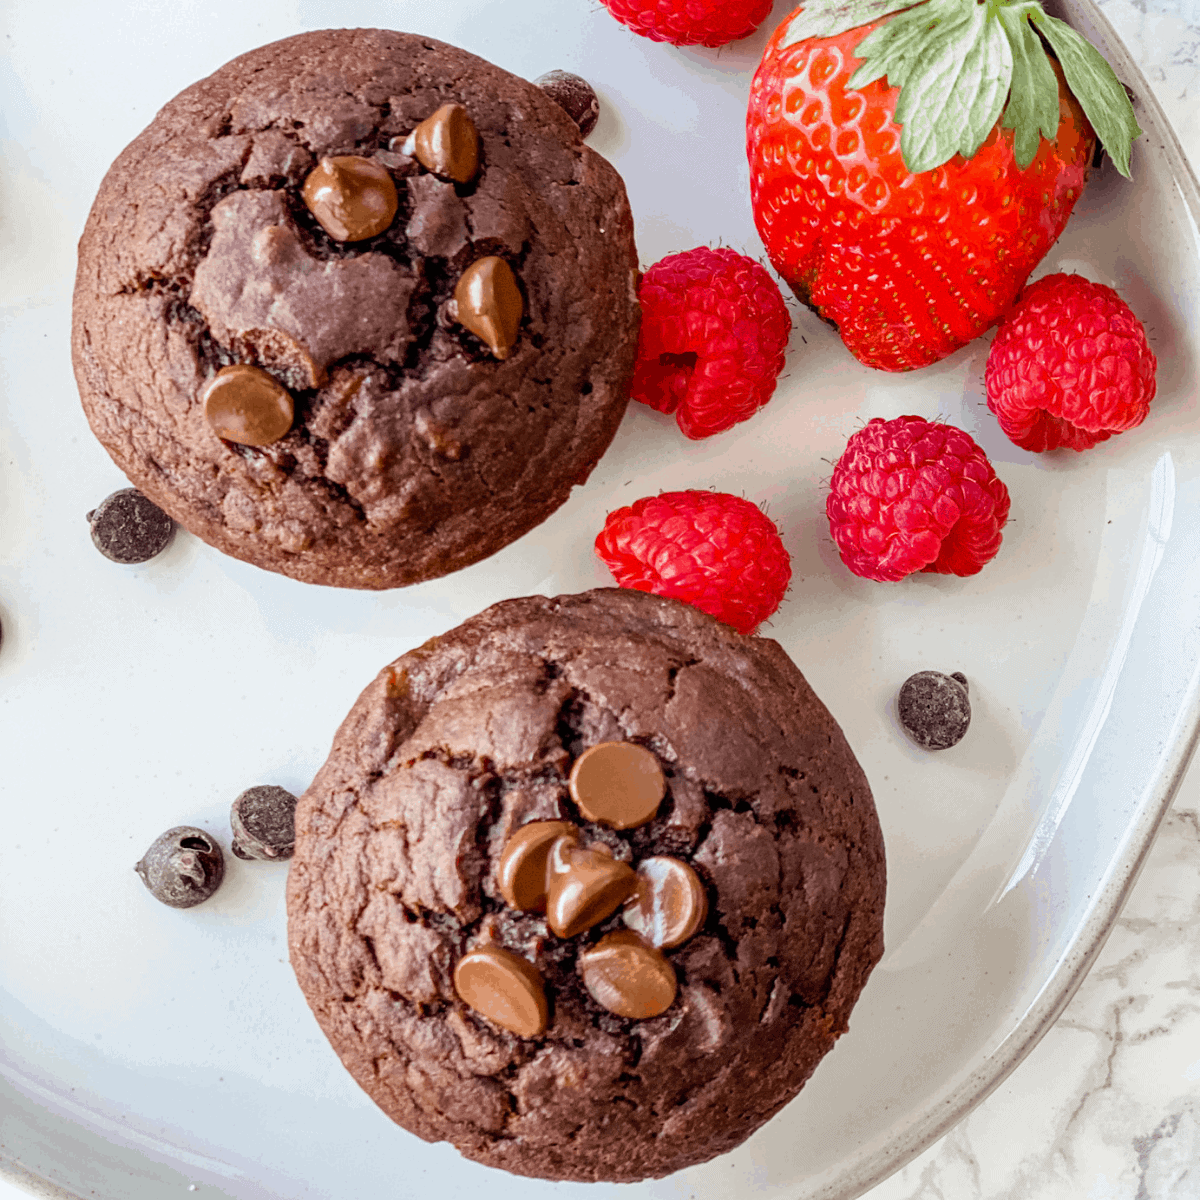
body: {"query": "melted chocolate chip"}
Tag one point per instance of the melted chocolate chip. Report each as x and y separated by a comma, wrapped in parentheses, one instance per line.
(505, 988)
(352, 197)
(263, 819)
(128, 528)
(488, 303)
(618, 784)
(586, 886)
(628, 976)
(523, 867)
(934, 709)
(244, 404)
(183, 867)
(669, 905)
(575, 95)
(446, 143)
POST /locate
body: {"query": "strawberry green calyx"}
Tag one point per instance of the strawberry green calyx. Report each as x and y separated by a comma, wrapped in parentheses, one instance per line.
(961, 66)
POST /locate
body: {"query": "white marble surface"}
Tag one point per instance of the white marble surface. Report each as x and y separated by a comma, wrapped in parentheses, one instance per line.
(1107, 1106)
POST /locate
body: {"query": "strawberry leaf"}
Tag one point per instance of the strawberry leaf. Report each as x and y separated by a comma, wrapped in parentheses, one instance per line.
(1096, 87)
(953, 66)
(1032, 111)
(828, 18)
(954, 62)
(899, 49)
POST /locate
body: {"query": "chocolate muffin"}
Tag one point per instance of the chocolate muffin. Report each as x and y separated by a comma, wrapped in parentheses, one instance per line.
(667, 1021)
(360, 308)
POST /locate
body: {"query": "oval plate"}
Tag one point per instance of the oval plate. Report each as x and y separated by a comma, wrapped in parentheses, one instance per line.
(144, 1049)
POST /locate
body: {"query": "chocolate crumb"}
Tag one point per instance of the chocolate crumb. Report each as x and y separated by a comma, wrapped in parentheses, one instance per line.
(574, 94)
(264, 823)
(128, 528)
(183, 867)
(935, 709)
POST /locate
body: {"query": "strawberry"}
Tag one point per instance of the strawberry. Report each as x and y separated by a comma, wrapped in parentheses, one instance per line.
(909, 169)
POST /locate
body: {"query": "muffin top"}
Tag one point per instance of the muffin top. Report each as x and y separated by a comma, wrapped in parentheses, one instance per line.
(400, 874)
(360, 307)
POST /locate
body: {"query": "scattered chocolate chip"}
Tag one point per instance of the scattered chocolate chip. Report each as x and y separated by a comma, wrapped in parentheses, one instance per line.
(263, 819)
(574, 94)
(669, 905)
(934, 709)
(628, 976)
(505, 988)
(246, 405)
(183, 867)
(488, 303)
(446, 143)
(128, 528)
(353, 198)
(586, 886)
(522, 870)
(618, 784)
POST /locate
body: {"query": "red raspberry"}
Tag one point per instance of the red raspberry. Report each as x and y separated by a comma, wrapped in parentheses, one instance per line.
(714, 329)
(691, 22)
(716, 551)
(915, 495)
(1070, 366)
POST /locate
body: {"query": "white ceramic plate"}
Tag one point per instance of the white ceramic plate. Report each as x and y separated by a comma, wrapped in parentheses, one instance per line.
(144, 1051)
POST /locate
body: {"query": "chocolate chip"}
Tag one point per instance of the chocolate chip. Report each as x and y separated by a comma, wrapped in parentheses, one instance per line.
(669, 905)
(628, 976)
(263, 819)
(574, 94)
(505, 988)
(522, 871)
(446, 143)
(619, 784)
(128, 528)
(183, 867)
(488, 303)
(246, 405)
(586, 886)
(352, 197)
(934, 708)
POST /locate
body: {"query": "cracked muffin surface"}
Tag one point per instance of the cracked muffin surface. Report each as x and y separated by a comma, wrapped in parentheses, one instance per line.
(414, 450)
(466, 739)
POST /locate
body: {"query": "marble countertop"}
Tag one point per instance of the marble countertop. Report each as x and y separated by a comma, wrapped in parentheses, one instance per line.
(1107, 1106)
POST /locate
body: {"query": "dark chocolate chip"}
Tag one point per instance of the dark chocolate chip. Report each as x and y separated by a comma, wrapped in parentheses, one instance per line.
(264, 823)
(575, 95)
(183, 867)
(935, 709)
(128, 528)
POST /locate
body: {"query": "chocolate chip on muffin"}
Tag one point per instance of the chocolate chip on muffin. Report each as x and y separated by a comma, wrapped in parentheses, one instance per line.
(587, 886)
(246, 405)
(423, 281)
(446, 143)
(353, 198)
(488, 302)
